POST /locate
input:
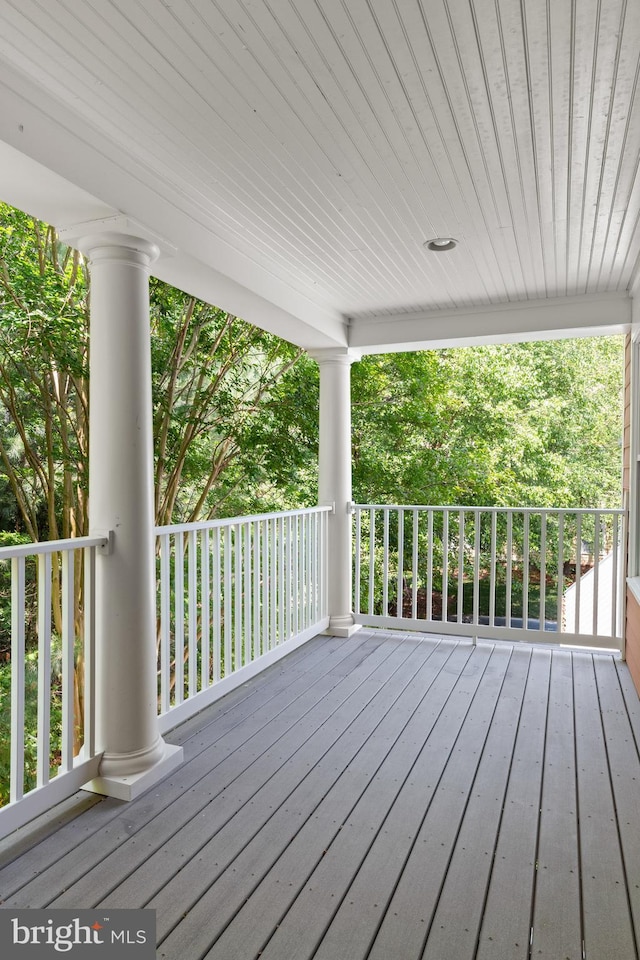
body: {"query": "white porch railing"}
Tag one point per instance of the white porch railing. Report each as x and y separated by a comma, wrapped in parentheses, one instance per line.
(52, 675)
(234, 595)
(550, 575)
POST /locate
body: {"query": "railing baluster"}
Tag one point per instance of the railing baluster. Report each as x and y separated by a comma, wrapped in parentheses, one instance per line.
(178, 627)
(312, 570)
(400, 578)
(303, 573)
(492, 568)
(615, 588)
(44, 668)
(509, 573)
(280, 632)
(385, 563)
(445, 565)
(237, 596)
(217, 606)
(16, 761)
(543, 569)
(460, 598)
(596, 570)
(357, 561)
(256, 590)
(68, 637)
(278, 583)
(296, 577)
(89, 745)
(414, 568)
(288, 553)
(247, 593)
(325, 518)
(192, 607)
(315, 569)
(560, 600)
(205, 606)
(372, 559)
(309, 571)
(165, 622)
(430, 565)
(227, 624)
(525, 571)
(476, 569)
(578, 567)
(264, 620)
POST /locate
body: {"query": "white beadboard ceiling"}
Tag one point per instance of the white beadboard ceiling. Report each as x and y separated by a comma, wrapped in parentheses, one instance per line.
(297, 154)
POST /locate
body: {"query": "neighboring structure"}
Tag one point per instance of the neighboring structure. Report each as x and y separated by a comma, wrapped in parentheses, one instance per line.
(578, 600)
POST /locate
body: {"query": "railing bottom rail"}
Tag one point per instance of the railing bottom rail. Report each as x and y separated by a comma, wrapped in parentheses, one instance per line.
(495, 633)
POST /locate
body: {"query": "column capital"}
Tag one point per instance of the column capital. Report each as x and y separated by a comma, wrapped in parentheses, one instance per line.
(337, 355)
(95, 238)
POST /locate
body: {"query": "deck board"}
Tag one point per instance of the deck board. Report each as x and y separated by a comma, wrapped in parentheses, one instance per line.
(604, 891)
(333, 888)
(196, 736)
(223, 737)
(504, 934)
(456, 924)
(557, 921)
(364, 904)
(388, 795)
(310, 909)
(303, 825)
(222, 834)
(180, 830)
(625, 776)
(406, 924)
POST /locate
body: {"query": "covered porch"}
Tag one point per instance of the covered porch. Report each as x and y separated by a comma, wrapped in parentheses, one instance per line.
(356, 178)
(393, 794)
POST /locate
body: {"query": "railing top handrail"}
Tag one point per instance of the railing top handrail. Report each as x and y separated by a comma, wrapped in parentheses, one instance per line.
(234, 521)
(51, 546)
(615, 511)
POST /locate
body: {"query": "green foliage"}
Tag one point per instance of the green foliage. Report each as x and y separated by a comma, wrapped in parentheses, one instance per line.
(215, 378)
(8, 539)
(283, 440)
(532, 424)
(43, 372)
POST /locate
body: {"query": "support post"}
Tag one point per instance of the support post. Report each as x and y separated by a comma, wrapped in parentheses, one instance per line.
(121, 500)
(334, 482)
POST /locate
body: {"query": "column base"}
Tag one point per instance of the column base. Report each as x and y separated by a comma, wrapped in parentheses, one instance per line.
(342, 626)
(132, 785)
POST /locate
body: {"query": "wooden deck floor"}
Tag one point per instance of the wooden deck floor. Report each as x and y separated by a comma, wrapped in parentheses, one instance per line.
(388, 797)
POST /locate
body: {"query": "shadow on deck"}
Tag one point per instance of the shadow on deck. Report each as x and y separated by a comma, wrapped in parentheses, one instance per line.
(387, 796)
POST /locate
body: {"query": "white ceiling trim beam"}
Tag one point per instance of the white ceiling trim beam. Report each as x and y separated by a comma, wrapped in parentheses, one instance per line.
(95, 176)
(581, 316)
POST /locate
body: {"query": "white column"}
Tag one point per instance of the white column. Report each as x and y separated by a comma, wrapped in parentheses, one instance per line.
(334, 482)
(121, 500)
(633, 559)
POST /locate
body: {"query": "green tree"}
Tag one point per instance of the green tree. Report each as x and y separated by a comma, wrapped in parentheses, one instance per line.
(44, 341)
(211, 373)
(532, 424)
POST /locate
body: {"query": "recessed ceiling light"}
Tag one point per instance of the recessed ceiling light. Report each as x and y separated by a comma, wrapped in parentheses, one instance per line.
(440, 244)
